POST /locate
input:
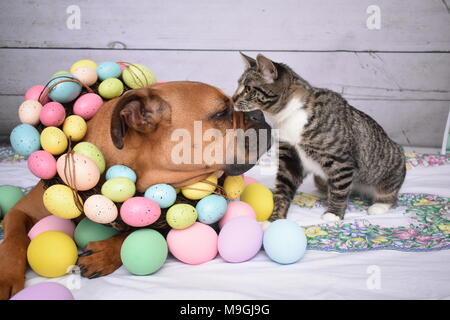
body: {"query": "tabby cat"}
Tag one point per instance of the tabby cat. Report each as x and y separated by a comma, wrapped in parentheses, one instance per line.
(321, 133)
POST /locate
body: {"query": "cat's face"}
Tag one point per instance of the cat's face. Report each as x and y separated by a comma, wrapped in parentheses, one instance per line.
(259, 87)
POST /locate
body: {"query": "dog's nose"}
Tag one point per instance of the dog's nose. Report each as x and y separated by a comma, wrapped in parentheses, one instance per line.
(255, 116)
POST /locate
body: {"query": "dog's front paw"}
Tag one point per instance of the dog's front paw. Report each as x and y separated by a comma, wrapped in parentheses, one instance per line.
(328, 216)
(100, 258)
(9, 286)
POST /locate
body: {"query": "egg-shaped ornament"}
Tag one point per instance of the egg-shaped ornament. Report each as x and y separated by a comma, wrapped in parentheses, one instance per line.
(64, 88)
(78, 171)
(86, 75)
(233, 186)
(37, 93)
(9, 196)
(59, 200)
(52, 223)
(25, 139)
(139, 211)
(200, 189)
(53, 140)
(237, 209)
(87, 105)
(52, 114)
(75, 128)
(108, 69)
(118, 189)
(83, 63)
(260, 198)
(42, 164)
(89, 150)
(44, 291)
(110, 88)
(100, 209)
(285, 241)
(211, 208)
(90, 231)
(29, 112)
(138, 76)
(119, 170)
(181, 216)
(163, 194)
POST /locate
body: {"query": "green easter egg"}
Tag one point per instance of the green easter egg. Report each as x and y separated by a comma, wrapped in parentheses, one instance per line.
(144, 252)
(89, 150)
(181, 216)
(110, 88)
(9, 196)
(138, 76)
(89, 231)
(118, 189)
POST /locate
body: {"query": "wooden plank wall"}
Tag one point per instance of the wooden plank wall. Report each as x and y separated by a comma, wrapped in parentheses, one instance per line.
(399, 74)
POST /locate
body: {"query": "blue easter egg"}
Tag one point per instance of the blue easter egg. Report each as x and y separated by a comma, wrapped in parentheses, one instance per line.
(211, 208)
(163, 194)
(284, 241)
(25, 139)
(65, 91)
(122, 171)
(108, 69)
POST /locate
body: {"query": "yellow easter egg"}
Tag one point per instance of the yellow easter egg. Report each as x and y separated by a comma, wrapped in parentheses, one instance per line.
(233, 186)
(51, 254)
(59, 200)
(204, 189)
(53, 140)
(75, 127)
(83, 63)
(260, 198)
(181, 216)
(60, 72)
(118, 189)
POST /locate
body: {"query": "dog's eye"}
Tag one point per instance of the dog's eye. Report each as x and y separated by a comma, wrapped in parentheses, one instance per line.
(222, 114)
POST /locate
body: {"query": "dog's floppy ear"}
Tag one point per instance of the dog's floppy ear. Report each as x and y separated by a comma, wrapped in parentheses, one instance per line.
(141, 110)
(249, 62)
(267, 68)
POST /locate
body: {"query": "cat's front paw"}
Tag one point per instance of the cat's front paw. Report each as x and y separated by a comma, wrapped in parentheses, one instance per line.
(265, 224)
(328, 216)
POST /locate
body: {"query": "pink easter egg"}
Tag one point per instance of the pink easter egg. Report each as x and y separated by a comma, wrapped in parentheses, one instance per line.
(42, 164)
(194, 245)
(52, 223)
(248, 180)
(52, 114)
(139, 211)
(122, 65)
(240, 239)
(237, 209)
(87, 105)
(35, 91)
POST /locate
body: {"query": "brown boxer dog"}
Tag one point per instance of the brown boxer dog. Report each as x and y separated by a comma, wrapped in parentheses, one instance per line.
(135, 130)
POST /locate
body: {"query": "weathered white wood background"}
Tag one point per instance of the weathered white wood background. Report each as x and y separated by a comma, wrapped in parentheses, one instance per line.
(399, 74)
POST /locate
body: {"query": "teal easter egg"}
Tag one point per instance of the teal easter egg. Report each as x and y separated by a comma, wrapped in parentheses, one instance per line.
(163, 194)
(211, 208)
(9, 196)
(25, 139)
(89, 231)
(108, 69)
(65, 91)
(120, 170)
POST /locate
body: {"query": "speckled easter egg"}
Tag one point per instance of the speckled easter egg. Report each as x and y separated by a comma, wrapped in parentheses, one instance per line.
(86, 75)
(53, 140)
(138, 76)
(87, 105)
(78, 171)
(35, 92)
(110, 88)
(63, 90)
(75, 128)
(139, 211)
(163, 194)
(118, 189)
(237, 209)
(100, 209)
(25, 139)
(181, 216)
(83, 63)
(42, 164)
(52, 114)
(211, 208)
(240, 239)
(194, 245)
(200, 189)
(29, 112)
(59, 200)
(233, 186)
(108, 69)
(89, 150)
(52, 223)
(120, 170)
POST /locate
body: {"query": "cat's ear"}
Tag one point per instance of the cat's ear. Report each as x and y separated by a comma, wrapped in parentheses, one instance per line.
(249, 62)
(267, 68)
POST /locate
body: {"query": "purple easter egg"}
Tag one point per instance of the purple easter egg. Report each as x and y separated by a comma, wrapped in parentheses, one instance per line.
(240, 239)
(44, 291)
